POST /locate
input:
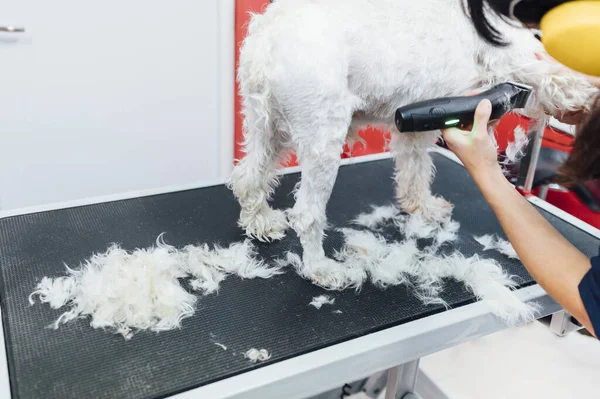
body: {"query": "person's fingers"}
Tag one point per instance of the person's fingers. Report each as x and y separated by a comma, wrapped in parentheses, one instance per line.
(571, 117)
(482, 114)
(451, 131)
(453, 135)
(493, 125)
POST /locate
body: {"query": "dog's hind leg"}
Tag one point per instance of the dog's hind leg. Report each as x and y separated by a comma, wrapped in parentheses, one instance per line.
(255, 177)
(414, 174)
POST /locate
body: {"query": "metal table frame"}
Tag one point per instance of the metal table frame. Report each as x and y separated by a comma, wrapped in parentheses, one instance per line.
(395, 349)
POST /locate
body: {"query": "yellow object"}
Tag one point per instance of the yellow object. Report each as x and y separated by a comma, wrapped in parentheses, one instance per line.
(571, 34)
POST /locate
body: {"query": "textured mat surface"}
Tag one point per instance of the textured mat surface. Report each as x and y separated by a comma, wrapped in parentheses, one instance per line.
(76, 361)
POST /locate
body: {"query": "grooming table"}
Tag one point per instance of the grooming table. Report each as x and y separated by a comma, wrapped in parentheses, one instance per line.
(313, 351)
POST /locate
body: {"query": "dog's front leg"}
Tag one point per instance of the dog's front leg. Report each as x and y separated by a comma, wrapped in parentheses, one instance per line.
(413, 176)
(319, 159)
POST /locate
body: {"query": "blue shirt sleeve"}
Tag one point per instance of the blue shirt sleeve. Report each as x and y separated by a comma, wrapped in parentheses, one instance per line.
(589, 289)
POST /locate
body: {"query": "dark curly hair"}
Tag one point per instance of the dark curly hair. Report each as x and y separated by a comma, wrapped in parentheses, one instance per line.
(583, 163)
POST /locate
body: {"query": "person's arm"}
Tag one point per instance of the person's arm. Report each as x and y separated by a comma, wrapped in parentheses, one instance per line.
(551, 260)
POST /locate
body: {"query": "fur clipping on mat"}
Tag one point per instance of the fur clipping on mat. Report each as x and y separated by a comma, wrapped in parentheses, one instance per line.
(321, 300)
(493, 242)
(399, 263)
(124, 291)
(140, 290)
(128, 291)
(411, 226)
(377, 216)
(255, 355)
(367, 256)
(209, 267)
(388, 264)
(485, 278)
(221, 346)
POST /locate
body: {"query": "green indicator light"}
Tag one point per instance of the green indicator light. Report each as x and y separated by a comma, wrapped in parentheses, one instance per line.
(452, 122)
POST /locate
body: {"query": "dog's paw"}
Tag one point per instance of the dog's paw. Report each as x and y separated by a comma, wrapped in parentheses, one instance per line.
(433, 210)
(437, 210)
(266, 226)
(332, 275)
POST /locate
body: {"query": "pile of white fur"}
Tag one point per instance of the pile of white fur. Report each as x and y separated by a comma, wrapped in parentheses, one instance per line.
(128, 291)
(367, 255)
(141, 290)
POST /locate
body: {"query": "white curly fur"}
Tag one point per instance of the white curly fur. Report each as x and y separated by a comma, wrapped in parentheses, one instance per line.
(410, 225)
(140, 289)
(367, 255)
(515, 149)
(256, 355)
(493, 242)
(321, 300)
(312, 73)
(377, 216)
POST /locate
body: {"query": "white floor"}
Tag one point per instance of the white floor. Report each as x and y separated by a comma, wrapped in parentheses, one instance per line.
(526, 362)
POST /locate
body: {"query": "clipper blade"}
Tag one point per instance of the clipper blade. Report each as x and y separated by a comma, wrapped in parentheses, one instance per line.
(520, 99)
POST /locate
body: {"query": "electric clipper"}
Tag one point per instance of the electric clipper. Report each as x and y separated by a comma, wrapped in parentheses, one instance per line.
(448, 112)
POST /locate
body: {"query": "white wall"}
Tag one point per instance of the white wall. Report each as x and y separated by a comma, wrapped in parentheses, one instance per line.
(99, 98)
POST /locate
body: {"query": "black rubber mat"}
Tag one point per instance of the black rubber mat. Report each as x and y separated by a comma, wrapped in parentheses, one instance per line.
(77, 361)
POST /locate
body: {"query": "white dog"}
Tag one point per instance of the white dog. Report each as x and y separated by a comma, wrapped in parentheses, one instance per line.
(314, 72)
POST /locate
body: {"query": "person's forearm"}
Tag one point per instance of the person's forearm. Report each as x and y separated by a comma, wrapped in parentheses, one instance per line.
(551, 260)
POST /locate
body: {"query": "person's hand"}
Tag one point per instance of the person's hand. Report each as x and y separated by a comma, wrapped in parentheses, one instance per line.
(570, 117)
(474, 147)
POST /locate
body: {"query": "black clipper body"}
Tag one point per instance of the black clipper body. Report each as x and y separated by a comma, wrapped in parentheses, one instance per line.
(447, 112)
